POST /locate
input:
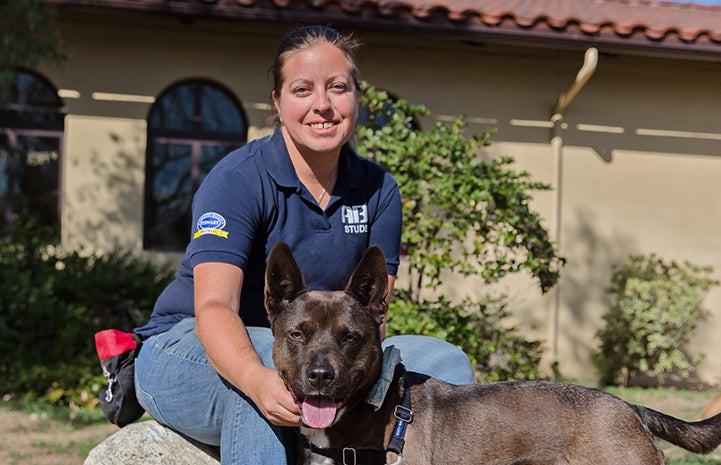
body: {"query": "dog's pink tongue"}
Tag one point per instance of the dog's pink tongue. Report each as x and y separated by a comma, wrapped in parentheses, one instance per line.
(318, 411)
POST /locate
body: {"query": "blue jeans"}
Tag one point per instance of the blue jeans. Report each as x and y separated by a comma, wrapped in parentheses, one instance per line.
(178, 387)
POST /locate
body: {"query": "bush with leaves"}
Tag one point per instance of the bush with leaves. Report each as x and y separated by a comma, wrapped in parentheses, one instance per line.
(462, 215)
(496, 351)
(54, 301)
(657, 306)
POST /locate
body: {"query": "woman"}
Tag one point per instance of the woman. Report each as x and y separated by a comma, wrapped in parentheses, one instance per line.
(205, 368)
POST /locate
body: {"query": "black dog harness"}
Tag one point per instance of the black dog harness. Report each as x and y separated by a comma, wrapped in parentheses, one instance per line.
(352, 456)
(404, 416)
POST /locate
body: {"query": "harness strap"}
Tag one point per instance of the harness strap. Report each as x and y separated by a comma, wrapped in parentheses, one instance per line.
(349, 455)
(404, 416)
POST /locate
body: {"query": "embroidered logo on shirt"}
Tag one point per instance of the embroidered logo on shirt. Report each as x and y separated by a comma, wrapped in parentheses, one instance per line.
(355, 219)
(211, 223)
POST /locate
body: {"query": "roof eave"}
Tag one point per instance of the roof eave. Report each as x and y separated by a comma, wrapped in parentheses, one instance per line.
(399, 21)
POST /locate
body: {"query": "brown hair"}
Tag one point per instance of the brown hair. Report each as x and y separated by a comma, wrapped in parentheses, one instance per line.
(310, 36)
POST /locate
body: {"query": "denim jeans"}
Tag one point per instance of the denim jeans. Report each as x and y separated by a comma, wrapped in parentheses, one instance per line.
(178, 387)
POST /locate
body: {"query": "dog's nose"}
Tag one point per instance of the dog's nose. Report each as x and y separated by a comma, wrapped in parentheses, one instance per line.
(320, 375)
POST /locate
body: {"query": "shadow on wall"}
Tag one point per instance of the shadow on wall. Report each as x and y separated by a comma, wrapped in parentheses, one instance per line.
(585, 280)
(106, 206)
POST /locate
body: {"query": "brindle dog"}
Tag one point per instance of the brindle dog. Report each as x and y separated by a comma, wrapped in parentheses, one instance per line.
(328, 350)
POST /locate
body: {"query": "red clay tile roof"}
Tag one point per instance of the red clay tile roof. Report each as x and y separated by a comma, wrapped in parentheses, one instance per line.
(645, 25)
(655, 20)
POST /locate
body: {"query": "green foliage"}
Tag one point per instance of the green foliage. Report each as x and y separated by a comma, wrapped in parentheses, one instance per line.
(53, 303)
(498, 353)
(460, 213)
(29, 36)
(463, 216)
(657, 306)
(29, 33)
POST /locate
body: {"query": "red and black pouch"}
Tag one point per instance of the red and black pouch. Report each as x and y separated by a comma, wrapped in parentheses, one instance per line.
(117, 351)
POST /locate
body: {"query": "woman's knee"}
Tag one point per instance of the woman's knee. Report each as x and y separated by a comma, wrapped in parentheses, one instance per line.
(434, 357)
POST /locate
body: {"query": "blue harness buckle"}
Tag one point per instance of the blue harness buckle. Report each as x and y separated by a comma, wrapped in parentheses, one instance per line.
(403, 413)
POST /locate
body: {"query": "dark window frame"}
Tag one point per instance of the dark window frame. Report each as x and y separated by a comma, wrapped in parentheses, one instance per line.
(196, 138)
(31, 117)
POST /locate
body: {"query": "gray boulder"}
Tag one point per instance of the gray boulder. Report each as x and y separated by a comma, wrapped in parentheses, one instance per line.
(150, 443)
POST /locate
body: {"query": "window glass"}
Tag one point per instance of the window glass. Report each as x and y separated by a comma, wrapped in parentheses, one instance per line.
(170, 191)
(31, 132)
(224, 115)
(191, 127)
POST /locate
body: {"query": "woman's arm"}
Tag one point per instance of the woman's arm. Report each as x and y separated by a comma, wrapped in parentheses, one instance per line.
(228, 347)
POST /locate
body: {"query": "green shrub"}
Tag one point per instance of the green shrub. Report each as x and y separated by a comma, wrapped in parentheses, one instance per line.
(498, 352)
(657, 306)
(52, 304)
(462, 216)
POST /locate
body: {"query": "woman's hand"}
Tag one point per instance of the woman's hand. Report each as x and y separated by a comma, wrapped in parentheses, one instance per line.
(269, 393)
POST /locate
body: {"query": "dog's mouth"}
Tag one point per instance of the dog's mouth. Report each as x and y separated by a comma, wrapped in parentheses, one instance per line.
(317, 411)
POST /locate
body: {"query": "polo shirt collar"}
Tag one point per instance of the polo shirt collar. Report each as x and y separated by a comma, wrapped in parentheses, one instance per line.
(351, 174)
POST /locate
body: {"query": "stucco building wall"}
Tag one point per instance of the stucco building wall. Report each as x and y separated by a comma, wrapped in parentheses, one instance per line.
(640, 167)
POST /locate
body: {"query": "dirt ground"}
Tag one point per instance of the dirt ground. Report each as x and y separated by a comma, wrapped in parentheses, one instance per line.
(33, 439)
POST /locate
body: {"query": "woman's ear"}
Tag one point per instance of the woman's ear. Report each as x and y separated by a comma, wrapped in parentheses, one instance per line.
(276, 104)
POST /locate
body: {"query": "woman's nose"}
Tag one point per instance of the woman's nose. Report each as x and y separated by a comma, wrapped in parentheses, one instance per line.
(322, 102)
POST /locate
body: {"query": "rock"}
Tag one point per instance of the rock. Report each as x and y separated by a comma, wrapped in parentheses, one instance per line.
(150, 443)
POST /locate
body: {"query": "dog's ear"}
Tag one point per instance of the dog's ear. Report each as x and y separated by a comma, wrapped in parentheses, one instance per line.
(283, 279)
(369, 283)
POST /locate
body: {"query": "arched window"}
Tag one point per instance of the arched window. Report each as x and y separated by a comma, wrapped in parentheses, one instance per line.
(32, 122)
(191, 126)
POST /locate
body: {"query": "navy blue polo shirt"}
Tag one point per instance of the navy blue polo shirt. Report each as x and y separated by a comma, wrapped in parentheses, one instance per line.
(253, 199)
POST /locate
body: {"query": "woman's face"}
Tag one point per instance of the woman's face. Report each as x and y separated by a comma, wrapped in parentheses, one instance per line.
(318, 101)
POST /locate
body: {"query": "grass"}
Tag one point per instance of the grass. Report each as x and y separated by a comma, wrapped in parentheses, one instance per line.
(58, 414)
(680, 403)
(73, 447)
(690, 459)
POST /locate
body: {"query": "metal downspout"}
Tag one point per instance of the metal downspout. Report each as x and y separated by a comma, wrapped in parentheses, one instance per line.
(584, 74)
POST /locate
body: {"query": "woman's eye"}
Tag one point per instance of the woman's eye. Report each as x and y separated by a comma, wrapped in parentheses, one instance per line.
(339, 87)
(300, 91)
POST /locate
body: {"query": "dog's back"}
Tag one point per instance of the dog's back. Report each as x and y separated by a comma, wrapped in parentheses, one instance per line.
(530, 423)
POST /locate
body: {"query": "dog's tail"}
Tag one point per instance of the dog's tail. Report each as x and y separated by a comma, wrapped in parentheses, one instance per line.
(700, 437)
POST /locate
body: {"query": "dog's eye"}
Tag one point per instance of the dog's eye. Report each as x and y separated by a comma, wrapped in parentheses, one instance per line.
(296, 335)
(350, 338)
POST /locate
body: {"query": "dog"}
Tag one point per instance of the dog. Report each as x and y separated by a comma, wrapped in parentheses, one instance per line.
(327, 349)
